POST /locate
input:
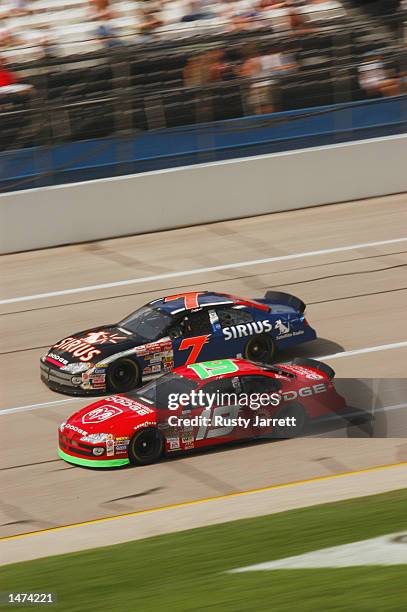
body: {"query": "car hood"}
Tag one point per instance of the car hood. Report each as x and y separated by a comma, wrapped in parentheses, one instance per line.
(92, 345)
(117, 415)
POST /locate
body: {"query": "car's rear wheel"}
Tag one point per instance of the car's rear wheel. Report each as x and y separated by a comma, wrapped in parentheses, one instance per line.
(123, 375)
(361, 426)
(146, 447)
(297, 412)
(260, 348)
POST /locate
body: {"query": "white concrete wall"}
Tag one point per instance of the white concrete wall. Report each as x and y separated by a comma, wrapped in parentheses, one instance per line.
(165, 199)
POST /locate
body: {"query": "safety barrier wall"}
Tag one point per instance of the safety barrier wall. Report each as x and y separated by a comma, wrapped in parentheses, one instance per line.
(194, 144)
(165, 199)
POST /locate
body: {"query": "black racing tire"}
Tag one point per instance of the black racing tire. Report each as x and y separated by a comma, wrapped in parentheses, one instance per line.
(146, 446)
(260, 348)
(292, 410)
(123, 375)
(361, 427)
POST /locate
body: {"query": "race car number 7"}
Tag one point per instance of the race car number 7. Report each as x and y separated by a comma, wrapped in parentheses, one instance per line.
(196, 344)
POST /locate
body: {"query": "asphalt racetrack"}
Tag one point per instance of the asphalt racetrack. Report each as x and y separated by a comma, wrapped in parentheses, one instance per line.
(348, 262)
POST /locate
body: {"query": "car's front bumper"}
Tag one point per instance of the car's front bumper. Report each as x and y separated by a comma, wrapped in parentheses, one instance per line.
(71, 448)
(60, 381)
(95, 462)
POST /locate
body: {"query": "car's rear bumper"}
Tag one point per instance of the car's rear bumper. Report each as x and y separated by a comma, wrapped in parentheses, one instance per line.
(92, 462)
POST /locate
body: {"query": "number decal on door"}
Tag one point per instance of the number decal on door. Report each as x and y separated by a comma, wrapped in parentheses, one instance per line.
(190, 299)
(213, 368)
(196, 344)
(212, 430)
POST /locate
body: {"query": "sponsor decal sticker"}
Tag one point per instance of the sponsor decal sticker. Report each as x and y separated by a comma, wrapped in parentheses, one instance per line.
(102, 337)
(284, 330)
(173, 443)
(303, 372)
(288, 396)
(161, 346)
(97, 415)
(75, 428)
(78, 348)
(57, 358)
(110, 447)
(247, 329)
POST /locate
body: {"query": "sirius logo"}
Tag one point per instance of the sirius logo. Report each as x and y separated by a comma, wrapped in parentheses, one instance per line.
(247, 329)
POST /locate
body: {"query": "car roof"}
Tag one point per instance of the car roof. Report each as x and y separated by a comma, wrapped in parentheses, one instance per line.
(225, 368)
(193, 300)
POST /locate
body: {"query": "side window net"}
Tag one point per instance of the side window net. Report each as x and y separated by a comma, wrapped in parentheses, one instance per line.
(233, 316)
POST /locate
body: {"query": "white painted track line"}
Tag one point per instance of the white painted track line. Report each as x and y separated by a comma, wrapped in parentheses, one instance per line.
(207, 270)
(372, 349)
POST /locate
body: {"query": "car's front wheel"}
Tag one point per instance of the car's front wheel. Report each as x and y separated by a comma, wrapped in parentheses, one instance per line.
(123, 375)
(146, 446)
(260, 348)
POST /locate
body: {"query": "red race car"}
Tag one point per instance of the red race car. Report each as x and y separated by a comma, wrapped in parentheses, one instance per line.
(200, 405)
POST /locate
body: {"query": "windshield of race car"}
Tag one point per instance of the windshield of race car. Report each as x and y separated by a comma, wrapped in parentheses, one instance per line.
(158, 391)
(147, 322)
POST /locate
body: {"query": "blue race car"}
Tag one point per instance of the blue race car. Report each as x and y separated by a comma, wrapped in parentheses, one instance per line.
(173, 331)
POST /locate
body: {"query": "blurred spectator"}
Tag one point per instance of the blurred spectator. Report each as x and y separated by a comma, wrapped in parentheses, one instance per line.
(6, 76)
(101, 13)
(149, 19)
(269, 4)
(8, 38)
(100, 9)
(263, 69)
(196, 71)
(258, 69)
(281, 61)
(197, 9)
(206, 68)
(376, 80)
(20, 8)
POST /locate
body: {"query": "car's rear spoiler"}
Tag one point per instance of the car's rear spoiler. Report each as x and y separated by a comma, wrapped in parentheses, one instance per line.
(304, 362)
(278, 297)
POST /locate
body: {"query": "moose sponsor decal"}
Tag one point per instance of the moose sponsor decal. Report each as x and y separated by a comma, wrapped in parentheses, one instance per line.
(247, 329)
(97, 415)
(284, 330)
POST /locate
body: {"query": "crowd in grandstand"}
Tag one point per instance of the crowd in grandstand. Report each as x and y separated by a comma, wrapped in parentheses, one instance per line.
(246, 56)
(44, 22)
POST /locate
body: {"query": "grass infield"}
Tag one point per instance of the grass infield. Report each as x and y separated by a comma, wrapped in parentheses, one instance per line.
(185, 571)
